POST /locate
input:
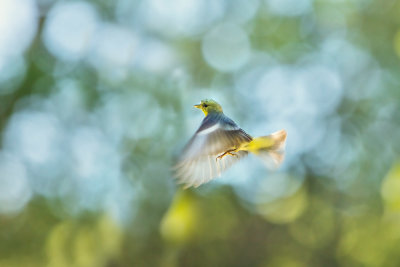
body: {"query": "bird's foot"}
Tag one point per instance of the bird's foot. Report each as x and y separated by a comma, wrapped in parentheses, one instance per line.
(229, 152)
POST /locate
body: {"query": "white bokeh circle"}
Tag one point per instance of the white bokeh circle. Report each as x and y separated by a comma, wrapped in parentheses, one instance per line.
(226, 47)
(69, 30)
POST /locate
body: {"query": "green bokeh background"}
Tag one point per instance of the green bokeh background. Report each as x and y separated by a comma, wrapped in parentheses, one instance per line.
(345, 213)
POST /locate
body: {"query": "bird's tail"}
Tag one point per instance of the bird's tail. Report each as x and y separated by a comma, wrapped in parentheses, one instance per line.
(270, 148)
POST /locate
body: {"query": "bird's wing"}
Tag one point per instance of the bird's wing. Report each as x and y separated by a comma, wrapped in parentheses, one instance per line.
(200, 170)
(217, 134)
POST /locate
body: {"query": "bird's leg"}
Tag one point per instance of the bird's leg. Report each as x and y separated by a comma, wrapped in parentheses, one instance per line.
(228, 152)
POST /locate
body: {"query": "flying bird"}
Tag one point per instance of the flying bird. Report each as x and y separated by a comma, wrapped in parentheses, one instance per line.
(219, 143)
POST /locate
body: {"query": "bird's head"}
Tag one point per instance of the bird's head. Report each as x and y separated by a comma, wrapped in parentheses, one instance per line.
(209, 106)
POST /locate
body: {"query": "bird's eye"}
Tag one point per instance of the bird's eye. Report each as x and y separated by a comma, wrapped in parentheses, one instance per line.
(205, 105)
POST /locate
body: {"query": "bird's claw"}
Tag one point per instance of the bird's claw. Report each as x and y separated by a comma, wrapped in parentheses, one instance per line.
(229, 152)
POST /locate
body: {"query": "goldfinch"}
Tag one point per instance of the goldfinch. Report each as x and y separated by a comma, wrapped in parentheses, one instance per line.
(220, 142)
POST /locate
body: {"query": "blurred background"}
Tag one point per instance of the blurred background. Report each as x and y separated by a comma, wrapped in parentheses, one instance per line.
(96, 101)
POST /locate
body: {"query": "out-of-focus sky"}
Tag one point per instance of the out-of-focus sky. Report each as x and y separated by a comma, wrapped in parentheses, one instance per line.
(96, 101)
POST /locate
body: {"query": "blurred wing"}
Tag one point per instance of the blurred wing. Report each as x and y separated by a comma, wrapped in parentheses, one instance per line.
(200, 170)
(216, 134)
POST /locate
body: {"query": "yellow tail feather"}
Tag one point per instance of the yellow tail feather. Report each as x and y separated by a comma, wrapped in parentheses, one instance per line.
(270, 148)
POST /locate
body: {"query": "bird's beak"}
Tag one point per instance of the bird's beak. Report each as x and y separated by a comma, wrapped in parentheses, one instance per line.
(197, 106)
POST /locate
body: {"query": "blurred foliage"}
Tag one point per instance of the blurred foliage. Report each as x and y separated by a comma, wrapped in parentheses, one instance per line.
(96, 101)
